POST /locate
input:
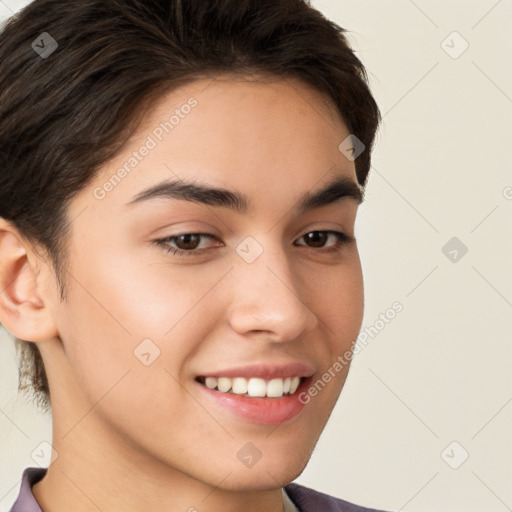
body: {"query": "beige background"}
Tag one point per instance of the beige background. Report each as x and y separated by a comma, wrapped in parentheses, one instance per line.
(434, 383)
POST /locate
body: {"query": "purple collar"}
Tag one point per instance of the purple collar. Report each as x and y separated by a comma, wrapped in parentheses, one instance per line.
(305, 499)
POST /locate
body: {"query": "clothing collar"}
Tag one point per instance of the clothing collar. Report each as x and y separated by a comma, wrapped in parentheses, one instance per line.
(26, 501)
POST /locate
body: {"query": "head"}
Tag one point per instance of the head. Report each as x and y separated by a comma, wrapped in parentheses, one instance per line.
(253, 97)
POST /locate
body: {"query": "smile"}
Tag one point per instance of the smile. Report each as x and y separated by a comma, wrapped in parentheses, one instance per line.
(253, 387)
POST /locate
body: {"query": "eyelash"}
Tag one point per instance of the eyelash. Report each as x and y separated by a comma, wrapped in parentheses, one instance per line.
(343, 240)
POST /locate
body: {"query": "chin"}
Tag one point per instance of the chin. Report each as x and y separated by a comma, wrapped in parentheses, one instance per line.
(268, 475)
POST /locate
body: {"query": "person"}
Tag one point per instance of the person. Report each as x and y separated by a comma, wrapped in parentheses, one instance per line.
(179, 183)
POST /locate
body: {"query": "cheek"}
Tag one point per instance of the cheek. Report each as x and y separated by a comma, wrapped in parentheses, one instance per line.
(153, 296)
(342, 302)
(97, 347)
(108, 359)
(119, 311)
(340, 311)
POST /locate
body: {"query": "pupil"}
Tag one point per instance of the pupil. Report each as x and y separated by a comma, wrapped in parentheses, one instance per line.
(315, 234)
(187, 239)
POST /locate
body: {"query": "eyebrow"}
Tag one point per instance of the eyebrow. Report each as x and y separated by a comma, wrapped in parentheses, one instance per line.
(337, 189)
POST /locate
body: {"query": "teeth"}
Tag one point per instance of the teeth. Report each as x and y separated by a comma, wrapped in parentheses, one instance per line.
(275, 387)
(294, 384)
(224, 384)
(256, 387)
(239, 386)
(211, 382)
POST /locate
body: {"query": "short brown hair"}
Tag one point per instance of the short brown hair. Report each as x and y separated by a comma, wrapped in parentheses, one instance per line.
(62, 117)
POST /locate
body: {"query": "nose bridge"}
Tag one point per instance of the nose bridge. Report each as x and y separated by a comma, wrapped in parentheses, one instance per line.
(267, 295)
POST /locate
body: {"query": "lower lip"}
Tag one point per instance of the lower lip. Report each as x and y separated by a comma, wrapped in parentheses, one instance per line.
(263, 410)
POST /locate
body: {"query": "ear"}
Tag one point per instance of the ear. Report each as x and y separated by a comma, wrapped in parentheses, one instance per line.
(25, 288)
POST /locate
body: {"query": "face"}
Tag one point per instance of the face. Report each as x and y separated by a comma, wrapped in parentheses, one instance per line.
(167, 290)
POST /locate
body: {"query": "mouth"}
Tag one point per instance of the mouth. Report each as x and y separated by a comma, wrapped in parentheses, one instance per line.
(254, 387)
(254, 399)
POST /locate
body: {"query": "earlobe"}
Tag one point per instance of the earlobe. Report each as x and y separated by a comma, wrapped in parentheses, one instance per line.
(23, 308)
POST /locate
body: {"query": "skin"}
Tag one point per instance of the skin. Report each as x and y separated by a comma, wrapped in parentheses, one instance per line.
(133, 437)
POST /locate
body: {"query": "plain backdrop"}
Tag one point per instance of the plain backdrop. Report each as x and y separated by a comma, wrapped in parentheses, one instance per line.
(424, 420)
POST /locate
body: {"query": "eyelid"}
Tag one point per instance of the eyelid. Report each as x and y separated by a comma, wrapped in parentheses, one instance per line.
(343, 239)
(341, 234)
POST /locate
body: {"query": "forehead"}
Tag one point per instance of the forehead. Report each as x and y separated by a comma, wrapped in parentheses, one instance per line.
(238, 95)
(252, 134)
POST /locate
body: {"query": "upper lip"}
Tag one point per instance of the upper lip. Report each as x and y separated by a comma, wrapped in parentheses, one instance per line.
(265, 371)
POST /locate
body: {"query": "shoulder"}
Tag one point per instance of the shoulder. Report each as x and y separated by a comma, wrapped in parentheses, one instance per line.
(309, 500)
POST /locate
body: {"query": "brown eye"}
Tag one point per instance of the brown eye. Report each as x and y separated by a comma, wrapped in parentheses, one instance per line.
(185, 244)
(317, 238)
(188, 242)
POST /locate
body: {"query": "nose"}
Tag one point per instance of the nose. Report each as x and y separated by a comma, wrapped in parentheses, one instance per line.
(268, 297)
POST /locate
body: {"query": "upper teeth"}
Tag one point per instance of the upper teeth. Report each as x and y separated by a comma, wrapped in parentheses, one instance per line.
(254, 386)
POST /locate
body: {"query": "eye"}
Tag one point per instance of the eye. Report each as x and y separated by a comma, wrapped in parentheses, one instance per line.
(188, 243)
(318, 239)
